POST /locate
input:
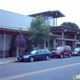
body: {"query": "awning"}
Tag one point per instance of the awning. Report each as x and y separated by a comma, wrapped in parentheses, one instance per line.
(67, 39)
(53, 14)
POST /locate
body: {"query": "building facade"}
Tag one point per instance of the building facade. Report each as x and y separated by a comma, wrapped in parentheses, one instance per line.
(10, 25)
(60, 35)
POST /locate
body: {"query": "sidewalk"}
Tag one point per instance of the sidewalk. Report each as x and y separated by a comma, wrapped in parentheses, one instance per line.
(7, 60)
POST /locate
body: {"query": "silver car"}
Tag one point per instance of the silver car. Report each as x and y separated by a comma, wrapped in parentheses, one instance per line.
(76, 51)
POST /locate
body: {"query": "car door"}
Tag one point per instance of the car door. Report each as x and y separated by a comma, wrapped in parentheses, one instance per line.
(79, 52)
(43, 53)
(38, 54)
(66, 50)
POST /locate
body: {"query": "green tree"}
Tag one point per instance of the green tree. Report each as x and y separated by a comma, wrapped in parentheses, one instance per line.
(39, 30)
(70, 25)
(28, 44)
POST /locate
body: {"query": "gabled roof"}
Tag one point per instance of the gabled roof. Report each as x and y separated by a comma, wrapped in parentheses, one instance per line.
(53, 14)
(14, 20)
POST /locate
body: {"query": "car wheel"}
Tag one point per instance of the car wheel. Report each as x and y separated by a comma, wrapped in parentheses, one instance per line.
(69, 55)
(61, 56)
(47, 57)
(31, 59)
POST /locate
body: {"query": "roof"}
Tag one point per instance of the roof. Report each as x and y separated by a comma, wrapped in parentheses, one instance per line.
(65, 29)
(13, 20)
(53, 14)
(55, 35)
(65, 39)
(13, 31)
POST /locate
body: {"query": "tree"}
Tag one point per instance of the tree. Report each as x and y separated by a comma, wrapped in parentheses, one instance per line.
(70, 25)
(39, 30)
(29, 44)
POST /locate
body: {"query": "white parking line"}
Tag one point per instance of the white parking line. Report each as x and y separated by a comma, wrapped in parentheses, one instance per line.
(40, 71)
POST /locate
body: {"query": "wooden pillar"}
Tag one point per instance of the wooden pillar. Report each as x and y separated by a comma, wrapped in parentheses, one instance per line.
(17, 51)
(54, 43)
(44, 45)
(4, 47)
(20, 46)
(48, 43)
(74, 43)
(63, 37)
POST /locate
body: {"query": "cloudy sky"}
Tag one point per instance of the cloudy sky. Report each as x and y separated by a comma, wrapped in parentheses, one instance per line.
(70, 8)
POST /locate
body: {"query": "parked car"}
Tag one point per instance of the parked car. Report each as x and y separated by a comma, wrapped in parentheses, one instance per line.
(76, 51)
(36, 54)
(62, 51)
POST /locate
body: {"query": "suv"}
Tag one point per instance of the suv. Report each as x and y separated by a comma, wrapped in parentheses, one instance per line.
(62, 51)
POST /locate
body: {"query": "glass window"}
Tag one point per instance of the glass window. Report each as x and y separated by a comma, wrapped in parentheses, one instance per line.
(33, 52)
(46, 50)
(43, 51)
(39, 51)
(60, 48)
(76, 49)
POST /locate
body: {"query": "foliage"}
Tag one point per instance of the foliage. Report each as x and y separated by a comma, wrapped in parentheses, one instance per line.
(28, 44)
(70, 25)
(12, 50)
(39, 30)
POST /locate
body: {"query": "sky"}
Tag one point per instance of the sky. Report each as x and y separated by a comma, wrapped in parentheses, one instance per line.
(70, 8)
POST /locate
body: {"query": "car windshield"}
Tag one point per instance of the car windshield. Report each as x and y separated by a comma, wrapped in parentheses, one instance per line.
(76, 49)
(33, 52)
(60, 48)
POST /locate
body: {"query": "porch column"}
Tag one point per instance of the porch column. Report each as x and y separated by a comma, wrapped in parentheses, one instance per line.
(44, 45)
(4, 47)
(48, 43)
(54, 43)
(63, 38)
(74, 43)
(17, 51)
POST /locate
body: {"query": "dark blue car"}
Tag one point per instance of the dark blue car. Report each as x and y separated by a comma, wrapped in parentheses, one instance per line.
(37, 54)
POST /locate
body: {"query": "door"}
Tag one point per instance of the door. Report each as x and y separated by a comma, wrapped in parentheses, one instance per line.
(38, 55)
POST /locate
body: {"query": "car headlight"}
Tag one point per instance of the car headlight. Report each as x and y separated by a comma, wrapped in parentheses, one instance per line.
(25, 56)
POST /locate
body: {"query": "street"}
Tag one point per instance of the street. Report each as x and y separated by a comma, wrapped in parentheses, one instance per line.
(53, 69)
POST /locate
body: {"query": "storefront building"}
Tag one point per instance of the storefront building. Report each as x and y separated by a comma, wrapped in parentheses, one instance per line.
(60, 35)
(10, 25)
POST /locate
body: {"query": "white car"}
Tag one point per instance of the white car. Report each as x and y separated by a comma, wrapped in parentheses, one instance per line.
(76, 51)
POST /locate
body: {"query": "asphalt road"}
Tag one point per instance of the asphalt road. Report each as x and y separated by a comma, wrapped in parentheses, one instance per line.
(53, 69)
